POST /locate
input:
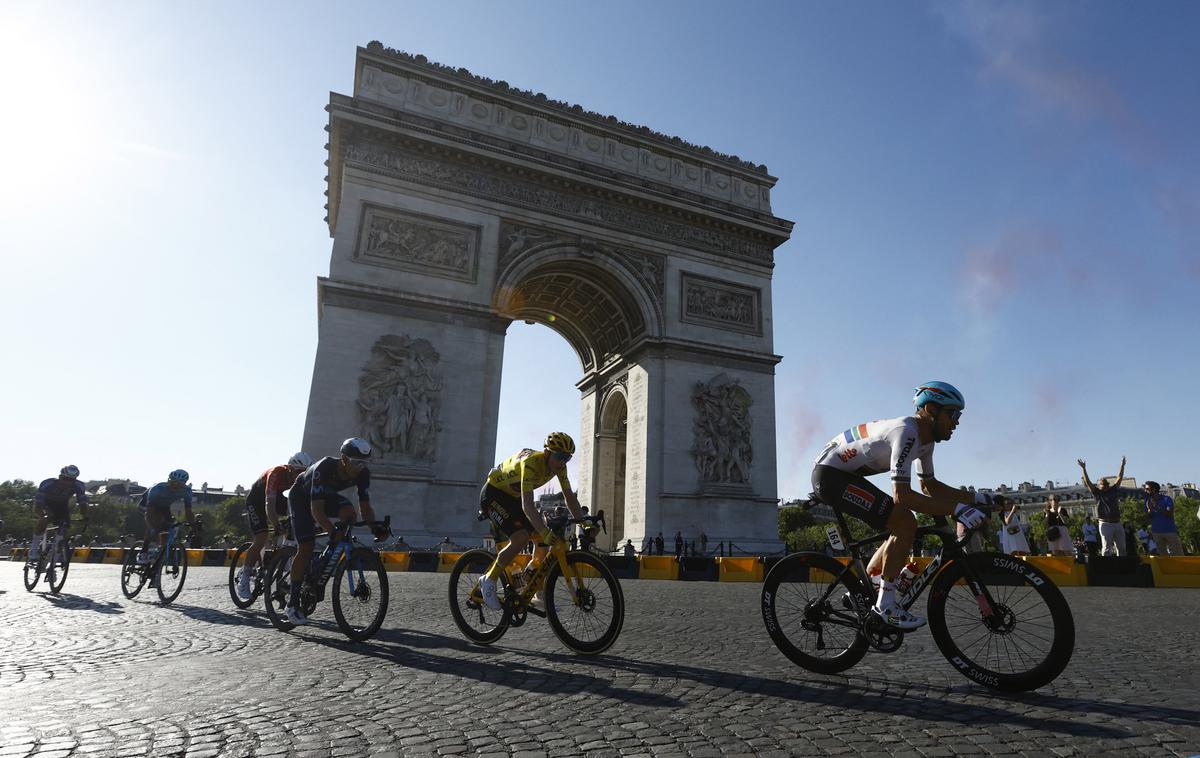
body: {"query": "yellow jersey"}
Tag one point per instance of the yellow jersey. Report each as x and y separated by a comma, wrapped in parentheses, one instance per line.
(525, 472)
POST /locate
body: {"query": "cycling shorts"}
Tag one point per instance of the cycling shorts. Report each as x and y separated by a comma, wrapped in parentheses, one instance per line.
(503, 510)
(256, 507)
(852, 495)
(57, 512)
(304, 526)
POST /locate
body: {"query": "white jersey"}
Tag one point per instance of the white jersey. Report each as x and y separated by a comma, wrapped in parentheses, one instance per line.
(879, 446)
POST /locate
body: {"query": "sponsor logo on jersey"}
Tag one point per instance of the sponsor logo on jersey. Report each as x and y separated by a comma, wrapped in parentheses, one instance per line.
(908, 445)
(858, 496)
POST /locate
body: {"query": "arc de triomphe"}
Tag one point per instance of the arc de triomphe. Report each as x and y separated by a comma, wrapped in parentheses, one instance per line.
(457, 205)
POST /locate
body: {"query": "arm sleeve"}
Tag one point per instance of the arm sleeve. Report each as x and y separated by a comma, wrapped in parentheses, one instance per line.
(364, 485)
(41, 493)
(903, 440)
(187, 498)
(80, 495)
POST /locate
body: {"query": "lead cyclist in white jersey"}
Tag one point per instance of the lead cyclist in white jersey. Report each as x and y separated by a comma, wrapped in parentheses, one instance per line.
(839, 479)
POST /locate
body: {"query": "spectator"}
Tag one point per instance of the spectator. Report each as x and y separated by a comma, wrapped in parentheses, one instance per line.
(1130, 539)
(1057, 534)
(1108, 510)
(658, 544)
(1143, 537)
(1091, 537)
(1012, 536)
(630, 551)
(1162, 519)
(703, 543)
(445, 546)
(574, 542)
(678, 544)
(648, 549)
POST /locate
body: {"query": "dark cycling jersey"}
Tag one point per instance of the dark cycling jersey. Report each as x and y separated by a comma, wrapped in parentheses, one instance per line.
(54, 495)
(322, 481)
(161, 497)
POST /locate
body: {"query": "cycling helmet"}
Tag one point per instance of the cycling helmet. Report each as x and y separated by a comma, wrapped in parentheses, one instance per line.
(356, 447)
(560, 442)
(300, 460)
(178, 475)
(69, 471)
(939, 393)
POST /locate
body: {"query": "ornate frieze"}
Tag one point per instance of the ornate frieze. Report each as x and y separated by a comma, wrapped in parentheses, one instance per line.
(476, 180)
(399, 398)
(722, 448)
(721, 304)
(422, 244)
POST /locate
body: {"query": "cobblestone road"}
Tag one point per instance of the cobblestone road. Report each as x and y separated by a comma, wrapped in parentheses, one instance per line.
(694, 673)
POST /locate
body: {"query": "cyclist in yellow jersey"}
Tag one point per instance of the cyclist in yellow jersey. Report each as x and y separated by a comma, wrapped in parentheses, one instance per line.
(507, 501)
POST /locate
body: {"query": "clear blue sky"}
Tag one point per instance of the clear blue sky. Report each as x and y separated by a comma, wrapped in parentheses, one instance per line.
(1002, 195)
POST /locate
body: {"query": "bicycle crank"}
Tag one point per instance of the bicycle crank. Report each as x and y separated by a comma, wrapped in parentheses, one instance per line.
(880, 636)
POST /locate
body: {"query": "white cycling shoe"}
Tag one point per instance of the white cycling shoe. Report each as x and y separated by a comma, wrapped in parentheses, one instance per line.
(897, 616)
(295, 616)
(487, 588)
(243, 587)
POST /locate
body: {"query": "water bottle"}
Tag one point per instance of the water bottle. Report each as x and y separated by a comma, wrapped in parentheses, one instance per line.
(905, 580)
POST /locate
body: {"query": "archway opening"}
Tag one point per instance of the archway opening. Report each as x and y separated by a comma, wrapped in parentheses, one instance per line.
(610, 469)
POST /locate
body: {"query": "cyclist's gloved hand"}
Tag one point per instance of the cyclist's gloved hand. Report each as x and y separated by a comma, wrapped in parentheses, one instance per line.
(548, 537)
(970, 516)
(381, 532)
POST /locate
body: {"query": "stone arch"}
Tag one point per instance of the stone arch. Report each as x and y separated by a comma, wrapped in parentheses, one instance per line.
(612, 450)
(594, 304)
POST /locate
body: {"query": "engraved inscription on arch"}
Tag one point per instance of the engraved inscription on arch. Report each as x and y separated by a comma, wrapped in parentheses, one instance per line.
(723, 305)
(413, 242)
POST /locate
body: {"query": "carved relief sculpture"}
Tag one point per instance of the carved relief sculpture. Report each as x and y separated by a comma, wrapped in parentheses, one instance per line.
(416, 243)
(399, 397)
(722, 449)
(720, 304)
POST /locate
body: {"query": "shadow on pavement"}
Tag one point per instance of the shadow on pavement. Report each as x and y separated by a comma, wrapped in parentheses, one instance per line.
(80, 603)
(247, 617)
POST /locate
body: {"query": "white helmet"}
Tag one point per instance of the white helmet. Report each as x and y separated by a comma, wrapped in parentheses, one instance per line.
(356, 448)
(300, 460)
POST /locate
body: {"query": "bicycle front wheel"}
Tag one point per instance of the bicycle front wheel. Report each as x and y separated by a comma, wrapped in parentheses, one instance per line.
(236, 566)
(1017, 634)
(59, 567)
(133, 576)
(33, 571)
(277, 583)
(360, 594)
(475, 620)
(809, 608)
(172, 570)
(587, 608)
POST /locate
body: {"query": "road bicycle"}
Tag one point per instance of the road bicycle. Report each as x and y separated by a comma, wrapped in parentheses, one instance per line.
(360, 583)
(583, 599)
(1000, 621)
(165, 571)
(54, 560)
(259, 572)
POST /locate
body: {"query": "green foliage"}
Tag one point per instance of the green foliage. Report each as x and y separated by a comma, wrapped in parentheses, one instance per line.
(1188, 523)
(227, 518)
(109, 518)
(16, 509)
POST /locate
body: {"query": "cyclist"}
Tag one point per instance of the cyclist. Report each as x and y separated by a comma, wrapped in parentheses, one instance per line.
(268, 488)
(53, 499)
(156, 505)
(893, 445)
(507, 501)
(315, 500)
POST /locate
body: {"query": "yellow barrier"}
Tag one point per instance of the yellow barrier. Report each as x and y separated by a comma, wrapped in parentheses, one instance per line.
(394, 561)
(658, 567)
(1175, 571)
(446, 562)
(739, 569)
(824, 577)
(1062, 569)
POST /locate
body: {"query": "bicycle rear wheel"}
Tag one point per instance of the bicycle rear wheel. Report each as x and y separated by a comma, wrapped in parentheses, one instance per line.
(277, 585)
(810, 612)
(33, 571)
(172, 570)
(236, 566)
(587, 610)
(360, 594)
(59, 567)
(1023, 643)
(474, 619)
(133, 576)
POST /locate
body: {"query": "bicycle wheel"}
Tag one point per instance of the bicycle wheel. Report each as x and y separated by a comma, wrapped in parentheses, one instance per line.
(33, 570)
(133, 575)
(477, 622)
(172, 570)
(810, 614)
(58, 568)
(236, 566)
(360, 594)
(1027, 639)
(277, 584)
(587, 610)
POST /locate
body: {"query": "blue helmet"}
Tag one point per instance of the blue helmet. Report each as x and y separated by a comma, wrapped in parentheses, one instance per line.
(939, 393)
(178, 475)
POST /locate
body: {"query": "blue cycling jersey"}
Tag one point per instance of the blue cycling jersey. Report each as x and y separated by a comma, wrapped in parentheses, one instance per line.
(323, 479)
(57, 491)
(162, 496)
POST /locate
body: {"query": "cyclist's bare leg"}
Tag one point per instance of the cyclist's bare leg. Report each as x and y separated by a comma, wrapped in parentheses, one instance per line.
(39, 532)
(255, 551)
(894, 552)
(516, 543)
